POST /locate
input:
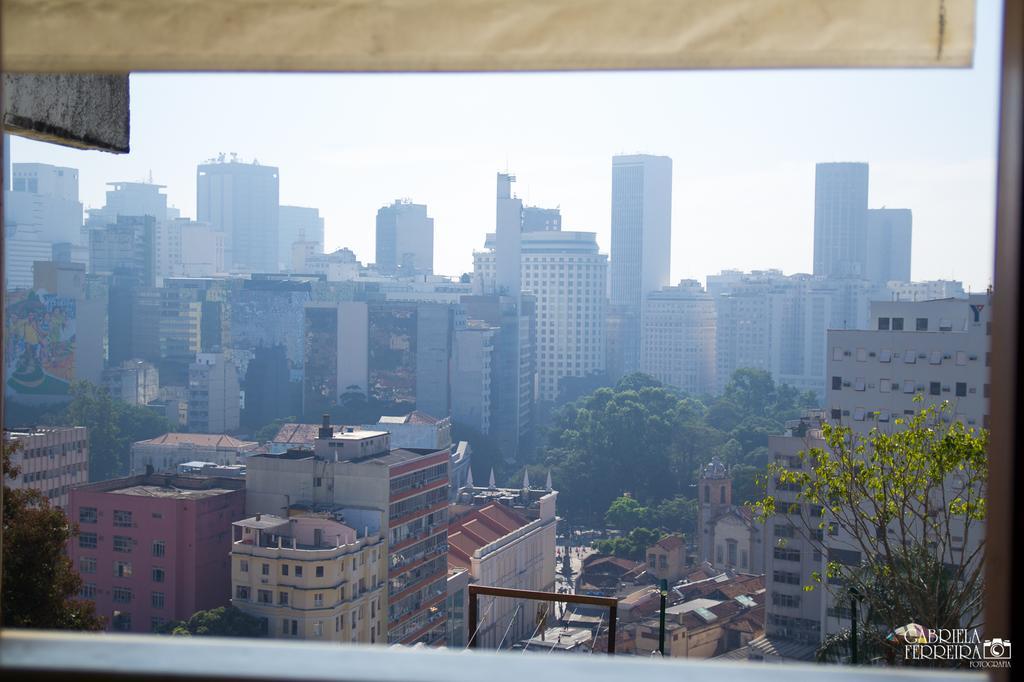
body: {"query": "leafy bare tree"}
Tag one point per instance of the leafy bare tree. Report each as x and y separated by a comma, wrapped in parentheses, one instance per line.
(910, 501)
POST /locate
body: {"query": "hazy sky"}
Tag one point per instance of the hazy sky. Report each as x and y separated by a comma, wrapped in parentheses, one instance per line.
(744, 145)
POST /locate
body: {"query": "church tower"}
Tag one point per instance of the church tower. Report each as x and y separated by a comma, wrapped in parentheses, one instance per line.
(714, 498)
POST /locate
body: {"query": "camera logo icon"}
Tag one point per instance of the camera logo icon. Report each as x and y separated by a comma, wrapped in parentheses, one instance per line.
(997, 648)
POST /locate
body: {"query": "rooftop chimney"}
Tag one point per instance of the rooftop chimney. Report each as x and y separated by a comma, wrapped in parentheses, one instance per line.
(326, 431)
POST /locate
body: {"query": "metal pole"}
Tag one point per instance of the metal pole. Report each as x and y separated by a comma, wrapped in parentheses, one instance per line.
(613, 618)
(473, 597)
(661, 624)
(853, 627)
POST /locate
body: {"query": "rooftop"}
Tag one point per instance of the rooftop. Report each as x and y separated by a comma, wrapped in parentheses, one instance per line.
(167, 486)
(201, 440)
(414, 417)
(472, 529)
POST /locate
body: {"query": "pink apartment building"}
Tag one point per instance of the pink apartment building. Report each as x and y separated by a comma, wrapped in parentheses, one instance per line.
(155, 548)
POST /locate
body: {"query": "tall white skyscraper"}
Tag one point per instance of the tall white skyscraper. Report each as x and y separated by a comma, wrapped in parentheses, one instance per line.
(298, 224)
(41, 209)
(840, 219)
(641, 249)
(888, 248)
(242, 199)
(405, 239)
(568, 277)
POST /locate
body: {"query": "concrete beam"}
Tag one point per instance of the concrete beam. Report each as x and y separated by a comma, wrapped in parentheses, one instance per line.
(87, 111)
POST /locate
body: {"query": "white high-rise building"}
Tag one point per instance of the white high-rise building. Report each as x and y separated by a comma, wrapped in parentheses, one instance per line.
(242, 199)
(41, 209)
(840, 219)
(641, 226)
(678, 342)
(298, 224)
(888, 246)
(405, 239)
(568, 277)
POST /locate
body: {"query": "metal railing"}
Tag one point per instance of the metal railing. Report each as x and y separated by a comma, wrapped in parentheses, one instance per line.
(475, 591)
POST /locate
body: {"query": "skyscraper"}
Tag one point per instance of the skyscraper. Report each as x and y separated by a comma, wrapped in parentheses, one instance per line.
(298, 224)
(888, 248)
(641, 249)
(242, 199)
(568, 277)
(840, 219)
(405, 239)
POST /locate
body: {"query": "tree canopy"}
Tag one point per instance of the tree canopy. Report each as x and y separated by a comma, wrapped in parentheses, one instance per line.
(650, 440)
(904, 510)
(40, 586)
(223, 621)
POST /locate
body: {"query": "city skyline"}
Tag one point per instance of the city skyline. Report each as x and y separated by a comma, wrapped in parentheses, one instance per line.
(739, 179)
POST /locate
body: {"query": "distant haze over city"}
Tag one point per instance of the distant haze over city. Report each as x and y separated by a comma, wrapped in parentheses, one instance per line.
(743, 145)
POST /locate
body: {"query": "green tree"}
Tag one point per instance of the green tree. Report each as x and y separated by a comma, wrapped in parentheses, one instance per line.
(904, 510)
(678, 515)
(113, 427)
(625, 513)
(223, 621)
(632, 546)
(40, 586)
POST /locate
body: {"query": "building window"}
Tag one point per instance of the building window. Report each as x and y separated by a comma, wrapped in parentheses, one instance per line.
(298, 571)
(122, 622)
(883, 324)
(122, 519)
(319, 571)
(242, 592)
(837, 383)
(87, 515)
(243, 566)
(961, 389)
(159, 546)
(721, 495)
(862, 355)
(265, 569)
(122, 569)
(158, 574)
(282, 598)
(885, 356)
(652, 560)
(122, 595)
(961, 357)
(88, 591)
(318, 599)
(934, 388)
(731, 548)
(87, 540)
(884, 385)
(910, 357)
(157, 600)
(318, 628)
(897, 324)
(265, 596)
(837, 414)
(922, 324)
(122, 543)
(87, 564)
(707, 497)
(284, 569)
(786, 554)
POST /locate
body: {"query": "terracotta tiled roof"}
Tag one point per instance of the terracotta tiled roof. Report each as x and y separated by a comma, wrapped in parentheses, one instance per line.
(477, 528)
(671, 543)
(298, 434)
(203, 440)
